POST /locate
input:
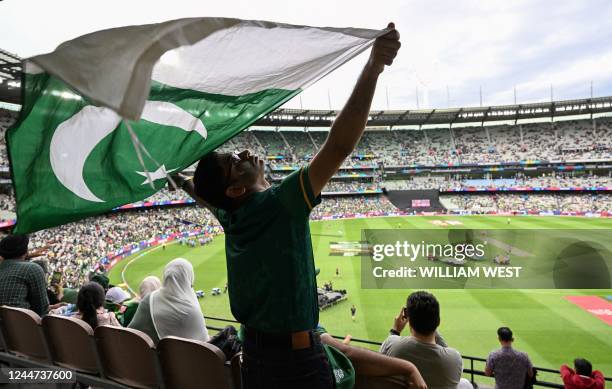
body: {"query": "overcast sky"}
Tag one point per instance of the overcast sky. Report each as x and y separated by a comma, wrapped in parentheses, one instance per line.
(450, 49)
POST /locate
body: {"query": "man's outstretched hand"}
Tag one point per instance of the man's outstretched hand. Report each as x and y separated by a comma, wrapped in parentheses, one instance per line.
(384, 50)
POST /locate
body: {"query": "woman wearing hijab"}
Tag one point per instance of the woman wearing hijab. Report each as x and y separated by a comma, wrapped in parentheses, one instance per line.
(172, 310)
(147, 286)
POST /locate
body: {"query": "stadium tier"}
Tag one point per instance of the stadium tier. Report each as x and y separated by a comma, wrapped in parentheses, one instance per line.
(521, 168)
(576, 140)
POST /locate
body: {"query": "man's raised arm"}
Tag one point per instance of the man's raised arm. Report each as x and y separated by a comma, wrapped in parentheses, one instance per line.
(350, 123)
(186, 183)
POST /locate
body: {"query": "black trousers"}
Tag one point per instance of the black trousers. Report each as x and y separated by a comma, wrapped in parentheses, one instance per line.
(282, 367)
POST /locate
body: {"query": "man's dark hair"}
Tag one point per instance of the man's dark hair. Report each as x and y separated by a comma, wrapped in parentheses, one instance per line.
(505, 334)
(423, 312)
(14, 246)
(101, 279)
(583, 367)
(209, 182)
(90, 298)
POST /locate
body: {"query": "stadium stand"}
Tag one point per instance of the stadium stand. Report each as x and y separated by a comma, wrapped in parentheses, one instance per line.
(76, 249)
(568, 173)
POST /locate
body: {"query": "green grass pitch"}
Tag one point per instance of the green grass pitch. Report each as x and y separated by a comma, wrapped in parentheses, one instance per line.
(548, 327)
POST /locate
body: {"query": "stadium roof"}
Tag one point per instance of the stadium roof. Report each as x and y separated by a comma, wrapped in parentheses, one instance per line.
(420, 117)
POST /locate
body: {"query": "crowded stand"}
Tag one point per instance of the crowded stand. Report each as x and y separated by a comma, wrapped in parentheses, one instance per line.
(3, 156)
(7, 202)
(76, 249)
(301, 142)
(499, 198)
(274, 143)
(528, 203)
(561, 141)
(442, 146)
(338, 207)
(7, 118)
(350, 187)
(519, 182)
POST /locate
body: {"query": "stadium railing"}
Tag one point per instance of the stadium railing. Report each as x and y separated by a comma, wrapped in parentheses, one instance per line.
(473, 362)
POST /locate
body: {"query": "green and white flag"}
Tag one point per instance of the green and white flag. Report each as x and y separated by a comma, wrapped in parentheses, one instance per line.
(186, 86)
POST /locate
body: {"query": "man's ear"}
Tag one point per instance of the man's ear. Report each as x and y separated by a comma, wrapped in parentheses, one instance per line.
(234, 192)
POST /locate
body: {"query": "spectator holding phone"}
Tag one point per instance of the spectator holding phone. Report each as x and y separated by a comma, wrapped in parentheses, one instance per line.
(440, 366)
(55, 292)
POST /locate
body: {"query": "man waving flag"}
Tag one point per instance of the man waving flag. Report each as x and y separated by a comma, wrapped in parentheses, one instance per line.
(107, 115)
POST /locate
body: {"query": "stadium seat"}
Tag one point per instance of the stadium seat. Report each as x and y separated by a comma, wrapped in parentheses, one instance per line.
(22, 332)
(190, 364)
(128, 356)
(71, 344)
(363, 382)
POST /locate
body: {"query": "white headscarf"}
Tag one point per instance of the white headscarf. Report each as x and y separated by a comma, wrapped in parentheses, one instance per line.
(174, 308)
(149, 285)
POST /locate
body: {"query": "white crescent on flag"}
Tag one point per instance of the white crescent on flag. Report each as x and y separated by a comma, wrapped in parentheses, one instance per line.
(76, 138)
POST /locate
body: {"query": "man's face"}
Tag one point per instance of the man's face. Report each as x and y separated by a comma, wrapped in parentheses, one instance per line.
(242, 169)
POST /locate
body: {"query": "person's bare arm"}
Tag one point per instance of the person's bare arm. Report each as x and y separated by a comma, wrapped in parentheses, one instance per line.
(39, 252)
(350, 123)
(373, 364)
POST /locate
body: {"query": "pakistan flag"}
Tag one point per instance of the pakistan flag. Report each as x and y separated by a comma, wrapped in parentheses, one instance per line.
(174, 91)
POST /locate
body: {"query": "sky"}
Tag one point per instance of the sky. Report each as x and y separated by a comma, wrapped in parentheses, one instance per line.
(451, 49)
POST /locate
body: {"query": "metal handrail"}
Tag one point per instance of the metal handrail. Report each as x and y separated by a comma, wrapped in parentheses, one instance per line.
(471, 371)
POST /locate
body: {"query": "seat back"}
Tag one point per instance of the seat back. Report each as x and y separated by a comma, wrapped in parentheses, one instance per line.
(71, 343)
(22, 332)
(188, 364)
(363, 382)
(128, 356)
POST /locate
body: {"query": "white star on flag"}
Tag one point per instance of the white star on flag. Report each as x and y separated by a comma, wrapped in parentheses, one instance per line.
(159, 174)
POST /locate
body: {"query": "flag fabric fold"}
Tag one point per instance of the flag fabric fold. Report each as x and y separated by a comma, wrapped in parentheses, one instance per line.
(187, 86)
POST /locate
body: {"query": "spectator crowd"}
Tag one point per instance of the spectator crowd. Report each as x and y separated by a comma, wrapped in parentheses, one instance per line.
(582, 139)
(452, 183)
(528, 202)
(76, 249)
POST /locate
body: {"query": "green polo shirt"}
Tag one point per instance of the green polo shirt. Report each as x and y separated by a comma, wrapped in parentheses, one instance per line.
(270, 264)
